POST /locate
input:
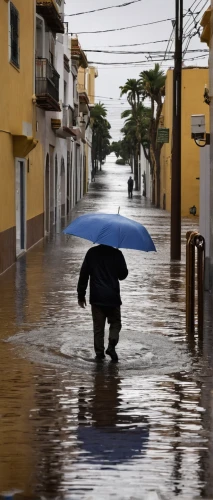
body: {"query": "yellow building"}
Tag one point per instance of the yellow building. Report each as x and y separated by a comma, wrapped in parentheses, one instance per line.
(194, 80)
(21, 172)
(86, 89)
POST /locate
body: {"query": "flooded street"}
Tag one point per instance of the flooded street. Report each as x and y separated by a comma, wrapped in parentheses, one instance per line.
(71, 429)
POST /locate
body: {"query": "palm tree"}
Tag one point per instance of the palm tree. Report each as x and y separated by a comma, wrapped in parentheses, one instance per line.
(133, 90)
(100, 134)
(136, 131)
(153, 86)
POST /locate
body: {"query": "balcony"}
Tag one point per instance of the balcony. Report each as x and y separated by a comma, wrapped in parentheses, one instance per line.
(67, 117)
(48, 9)
(47, 86)
(78, 55)
(65, 130)
(83, 98)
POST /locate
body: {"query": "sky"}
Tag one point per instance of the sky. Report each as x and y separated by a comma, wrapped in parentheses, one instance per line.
(144, 11)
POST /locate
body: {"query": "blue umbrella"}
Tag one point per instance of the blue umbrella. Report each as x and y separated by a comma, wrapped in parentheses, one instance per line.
(113, 445)
(112, 230)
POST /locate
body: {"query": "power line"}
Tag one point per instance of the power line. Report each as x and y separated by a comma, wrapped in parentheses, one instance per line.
(190, 34)
(124, 52)
(131, 44)
(135, 62)
(194, 21)
(103, 8)
(192, 12)
(120, 29)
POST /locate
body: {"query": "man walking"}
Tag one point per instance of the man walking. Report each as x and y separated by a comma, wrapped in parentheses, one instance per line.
(130, 186)
(105, 266)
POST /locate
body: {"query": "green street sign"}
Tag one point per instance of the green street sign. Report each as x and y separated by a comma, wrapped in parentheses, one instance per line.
(163, 135)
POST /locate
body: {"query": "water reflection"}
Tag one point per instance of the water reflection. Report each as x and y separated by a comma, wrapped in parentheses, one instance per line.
(107, 434)
(70, 428)
(21, 290)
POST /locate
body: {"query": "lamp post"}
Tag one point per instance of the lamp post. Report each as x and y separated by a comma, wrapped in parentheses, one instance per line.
(176, 143)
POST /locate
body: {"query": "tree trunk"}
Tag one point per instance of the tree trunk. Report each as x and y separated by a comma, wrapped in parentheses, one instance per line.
(136, 169)
(93, 151)
(153, 189)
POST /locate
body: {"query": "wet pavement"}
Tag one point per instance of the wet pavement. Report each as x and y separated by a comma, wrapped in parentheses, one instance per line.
(71, 429)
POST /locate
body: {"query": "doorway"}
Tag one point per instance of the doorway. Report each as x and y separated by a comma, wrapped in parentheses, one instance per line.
(20, 207)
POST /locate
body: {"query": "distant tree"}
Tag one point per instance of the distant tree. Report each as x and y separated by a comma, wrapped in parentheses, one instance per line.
(100, 135)
(135, 132)
(153, 86)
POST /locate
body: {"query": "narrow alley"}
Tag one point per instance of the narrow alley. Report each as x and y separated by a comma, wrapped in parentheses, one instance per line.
(71, 429)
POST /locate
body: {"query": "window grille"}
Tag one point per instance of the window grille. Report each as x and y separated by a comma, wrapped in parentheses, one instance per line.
(14, 35)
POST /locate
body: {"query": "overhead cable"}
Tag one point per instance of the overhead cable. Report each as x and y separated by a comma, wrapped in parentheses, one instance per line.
(130, 63)
(126, 27)
(126, 52)
(131, 44)
(103, 8)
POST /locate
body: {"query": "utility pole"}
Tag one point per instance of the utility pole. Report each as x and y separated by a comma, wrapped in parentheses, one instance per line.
(176, 142)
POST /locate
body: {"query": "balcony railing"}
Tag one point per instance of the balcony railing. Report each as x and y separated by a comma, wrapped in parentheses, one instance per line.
(47, 85)
(49, 10)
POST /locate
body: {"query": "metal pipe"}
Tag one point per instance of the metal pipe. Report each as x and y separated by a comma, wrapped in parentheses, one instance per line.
(190, 283)
(194, 240)
(200, 283)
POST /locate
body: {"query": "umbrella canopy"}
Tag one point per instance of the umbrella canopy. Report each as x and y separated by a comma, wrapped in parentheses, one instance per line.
(113, 445)
(112, 230)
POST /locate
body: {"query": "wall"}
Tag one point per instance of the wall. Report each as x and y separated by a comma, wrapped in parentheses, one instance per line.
(17, 117)
(92, 74)
(145, 169)
(17, 85)
(193, 82)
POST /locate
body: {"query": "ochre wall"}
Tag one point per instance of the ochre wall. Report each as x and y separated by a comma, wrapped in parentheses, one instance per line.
(17, 84)
(193, 83)
(18, 117)
(91, 84)
(35, 182)
(7, 183)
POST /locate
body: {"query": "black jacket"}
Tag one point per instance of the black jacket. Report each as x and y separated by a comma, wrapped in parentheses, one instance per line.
(105, 266)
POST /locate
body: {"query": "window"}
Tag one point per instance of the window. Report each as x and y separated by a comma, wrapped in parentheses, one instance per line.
(14, 35)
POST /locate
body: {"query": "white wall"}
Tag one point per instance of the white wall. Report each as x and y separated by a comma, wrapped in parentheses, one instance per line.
(204, 224)
(145, 167)
(48, 137)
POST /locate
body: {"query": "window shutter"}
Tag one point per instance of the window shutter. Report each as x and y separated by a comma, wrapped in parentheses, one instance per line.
(14, 33)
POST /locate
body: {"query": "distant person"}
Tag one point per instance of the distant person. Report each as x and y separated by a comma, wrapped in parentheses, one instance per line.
(93, 175)
(105, 266)
(130, 183)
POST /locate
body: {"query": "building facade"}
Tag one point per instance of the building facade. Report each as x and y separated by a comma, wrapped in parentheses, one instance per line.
(45, 136)
(21, 187)
(194, 80)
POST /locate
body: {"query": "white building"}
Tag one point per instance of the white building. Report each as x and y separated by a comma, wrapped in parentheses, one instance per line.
(58, 123)
(146, 178)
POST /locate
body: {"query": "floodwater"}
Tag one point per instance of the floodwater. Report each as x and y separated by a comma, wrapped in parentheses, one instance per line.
(71, 429)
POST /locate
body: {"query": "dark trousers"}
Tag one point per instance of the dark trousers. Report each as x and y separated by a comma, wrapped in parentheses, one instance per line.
(113, 316)
(130, 193)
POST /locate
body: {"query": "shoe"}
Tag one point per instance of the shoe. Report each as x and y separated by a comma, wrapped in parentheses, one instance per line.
(112, 353)
(100, 357)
